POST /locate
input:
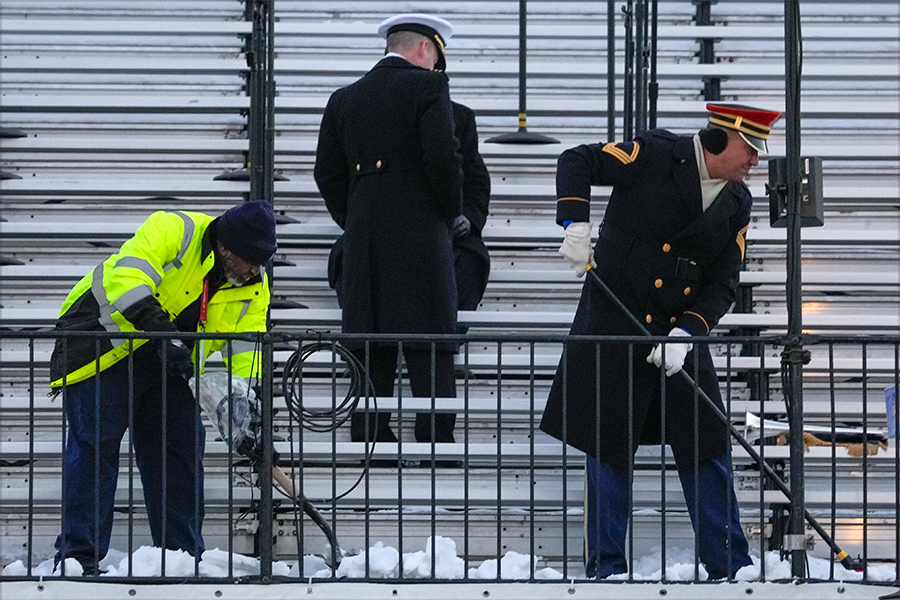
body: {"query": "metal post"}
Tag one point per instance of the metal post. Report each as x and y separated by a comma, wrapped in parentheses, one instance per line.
(653, 86)
(640, 67)
(611, 70)
(269, 142)
(522, 135)
(266, 510)
(712, 88)
(257, 120)
(259, 169)
(628, 102)
(794, 353)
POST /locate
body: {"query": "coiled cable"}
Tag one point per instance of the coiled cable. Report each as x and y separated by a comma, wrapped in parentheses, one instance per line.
(326, 420)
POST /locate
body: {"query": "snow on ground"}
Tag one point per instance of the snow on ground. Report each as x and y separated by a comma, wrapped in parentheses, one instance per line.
(384, 563)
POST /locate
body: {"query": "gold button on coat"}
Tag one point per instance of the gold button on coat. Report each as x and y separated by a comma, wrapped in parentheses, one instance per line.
(672, 320)
(666, 247)
(687, 291)
(649, 319)
(357, 166)
(658, 283)
(378, 165)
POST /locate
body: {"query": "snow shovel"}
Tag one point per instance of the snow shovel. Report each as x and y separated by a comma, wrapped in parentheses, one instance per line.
(233, 417)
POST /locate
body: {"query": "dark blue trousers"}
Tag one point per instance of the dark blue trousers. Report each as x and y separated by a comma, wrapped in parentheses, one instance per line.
(170, 462)
(711, 502)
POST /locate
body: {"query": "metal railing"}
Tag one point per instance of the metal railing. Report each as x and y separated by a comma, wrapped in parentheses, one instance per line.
(502, 486)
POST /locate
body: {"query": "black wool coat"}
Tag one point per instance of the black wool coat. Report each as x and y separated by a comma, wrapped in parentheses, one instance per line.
(388, 167)
(672, 265)
(476, 186)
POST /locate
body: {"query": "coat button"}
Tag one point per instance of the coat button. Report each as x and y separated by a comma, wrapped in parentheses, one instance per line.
(658, 283)
(378, 165)
(666, 247)
(687, 291)
(357, 166)
(649, 319)
(672, 320)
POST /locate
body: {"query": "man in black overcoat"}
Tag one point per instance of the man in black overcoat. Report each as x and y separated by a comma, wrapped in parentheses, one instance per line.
(472, 263)
(388, 167)
(670, 247)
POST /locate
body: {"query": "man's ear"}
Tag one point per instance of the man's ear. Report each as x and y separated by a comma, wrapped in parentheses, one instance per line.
(714, 140)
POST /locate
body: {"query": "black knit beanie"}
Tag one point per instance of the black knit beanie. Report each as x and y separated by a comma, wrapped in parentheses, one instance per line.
(248, 230)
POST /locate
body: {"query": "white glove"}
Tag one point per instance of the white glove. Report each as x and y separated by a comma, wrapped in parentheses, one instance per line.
(576, 247)
(675, 353)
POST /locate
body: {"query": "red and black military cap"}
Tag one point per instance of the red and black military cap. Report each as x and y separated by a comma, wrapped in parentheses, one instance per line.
(753, 124)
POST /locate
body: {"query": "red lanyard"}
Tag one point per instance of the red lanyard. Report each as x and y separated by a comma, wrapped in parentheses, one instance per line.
(204, 301)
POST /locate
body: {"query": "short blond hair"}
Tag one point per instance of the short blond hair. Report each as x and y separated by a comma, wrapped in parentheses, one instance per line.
(404, 41)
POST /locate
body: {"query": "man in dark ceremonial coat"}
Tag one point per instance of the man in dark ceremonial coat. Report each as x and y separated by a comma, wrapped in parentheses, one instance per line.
(670, 247)
(473, 265)
(388, 167)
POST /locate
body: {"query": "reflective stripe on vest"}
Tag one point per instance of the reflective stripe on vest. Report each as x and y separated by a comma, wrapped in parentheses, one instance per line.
(141, 264)
(185, 241)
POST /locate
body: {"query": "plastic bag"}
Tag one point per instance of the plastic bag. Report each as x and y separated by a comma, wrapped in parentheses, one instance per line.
(214, 400)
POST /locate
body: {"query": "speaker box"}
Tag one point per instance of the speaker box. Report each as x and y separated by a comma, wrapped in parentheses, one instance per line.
(812, 209)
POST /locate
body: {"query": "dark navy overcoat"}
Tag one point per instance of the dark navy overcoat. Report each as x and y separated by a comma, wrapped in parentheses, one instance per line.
(476, 189)
(672, 265)
(388, 167)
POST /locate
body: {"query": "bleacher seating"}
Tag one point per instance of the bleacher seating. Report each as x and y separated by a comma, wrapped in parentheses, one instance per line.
(139, 107)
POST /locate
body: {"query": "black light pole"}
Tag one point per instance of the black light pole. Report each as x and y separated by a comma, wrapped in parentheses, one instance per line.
(653, 86)
(641, 67)
(257, 119)
(794, 355)
(611, 70)
(628, 81)
(522, 135)
(269, 154)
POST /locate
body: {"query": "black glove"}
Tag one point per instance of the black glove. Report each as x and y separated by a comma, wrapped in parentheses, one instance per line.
(460, 227)
(178, 360)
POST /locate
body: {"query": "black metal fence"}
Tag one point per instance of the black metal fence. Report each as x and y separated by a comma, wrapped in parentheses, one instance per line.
(502, 488)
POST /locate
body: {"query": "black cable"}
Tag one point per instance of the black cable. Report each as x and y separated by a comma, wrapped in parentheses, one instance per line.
(320, 421)
(325, 420)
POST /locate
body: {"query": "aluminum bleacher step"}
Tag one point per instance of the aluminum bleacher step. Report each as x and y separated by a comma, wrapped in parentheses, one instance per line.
(483, 408)
(516, 451)
(300, 318)
(484, 104)
(516, 357)
(321, 230)
(558, 275)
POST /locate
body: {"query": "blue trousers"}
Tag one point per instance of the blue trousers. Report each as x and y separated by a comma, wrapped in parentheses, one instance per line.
(171, 467)
(721, 545)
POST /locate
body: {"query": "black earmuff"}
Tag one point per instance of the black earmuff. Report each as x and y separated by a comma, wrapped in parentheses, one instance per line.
(714, 140)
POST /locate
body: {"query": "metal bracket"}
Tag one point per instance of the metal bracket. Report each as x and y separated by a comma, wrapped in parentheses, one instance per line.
(795, 355)
(799, 542)
(754, 532)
